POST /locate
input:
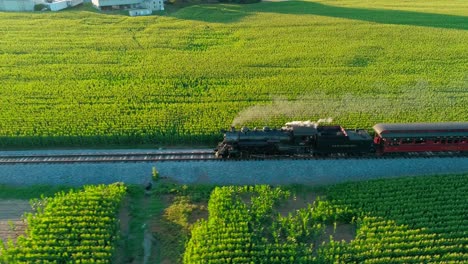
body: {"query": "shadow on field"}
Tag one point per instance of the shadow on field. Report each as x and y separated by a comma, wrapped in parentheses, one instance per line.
(223, 13)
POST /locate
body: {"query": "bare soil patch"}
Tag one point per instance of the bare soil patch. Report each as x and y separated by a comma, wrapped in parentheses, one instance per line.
(11, 224)
(342, 231)
(295, 203)
(199, 212)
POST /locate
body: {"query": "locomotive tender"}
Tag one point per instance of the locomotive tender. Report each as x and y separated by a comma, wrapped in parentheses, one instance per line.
(310, 138)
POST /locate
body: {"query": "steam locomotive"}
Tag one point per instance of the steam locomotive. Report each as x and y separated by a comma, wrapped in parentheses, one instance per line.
(310, 138)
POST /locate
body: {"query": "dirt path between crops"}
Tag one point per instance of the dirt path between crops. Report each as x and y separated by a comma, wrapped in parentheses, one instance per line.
(156, 228)
(126, 251)
(11, 225)
(148, 238)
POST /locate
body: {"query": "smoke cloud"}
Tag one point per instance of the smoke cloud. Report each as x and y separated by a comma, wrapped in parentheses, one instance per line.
(309, 106)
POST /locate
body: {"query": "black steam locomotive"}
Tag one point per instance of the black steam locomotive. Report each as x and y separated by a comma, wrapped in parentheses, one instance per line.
(310, 138)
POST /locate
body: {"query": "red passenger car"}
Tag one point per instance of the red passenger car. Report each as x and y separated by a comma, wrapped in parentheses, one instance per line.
(420, 137)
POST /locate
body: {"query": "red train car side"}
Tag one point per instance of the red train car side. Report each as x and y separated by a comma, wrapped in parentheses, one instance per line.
(421, 137)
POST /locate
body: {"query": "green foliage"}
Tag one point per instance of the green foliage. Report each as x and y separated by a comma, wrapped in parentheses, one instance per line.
(79, 78)
(179, 211)
(171, 221)
(40, 7)
(155, 174)
(405, 220)
(29, 192)
(73, 227)
(240, 1)
(197, 193)
(244, 227)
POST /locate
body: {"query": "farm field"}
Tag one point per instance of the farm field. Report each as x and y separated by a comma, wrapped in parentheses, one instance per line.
(76, 226)
(80, 78)
(405, 220)
(400, 220)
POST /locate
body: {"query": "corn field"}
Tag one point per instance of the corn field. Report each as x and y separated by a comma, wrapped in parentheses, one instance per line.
(244, 227)
(73, 227)
(80, 78)
(404, 220)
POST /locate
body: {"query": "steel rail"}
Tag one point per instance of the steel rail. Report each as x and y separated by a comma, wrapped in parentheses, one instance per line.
(195, 155)
(343, 156)
(107, 157)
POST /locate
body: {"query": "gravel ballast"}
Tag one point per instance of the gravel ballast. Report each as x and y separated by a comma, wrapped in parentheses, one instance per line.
(312, 172)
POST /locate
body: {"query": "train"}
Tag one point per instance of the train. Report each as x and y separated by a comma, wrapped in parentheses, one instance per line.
(306, 138)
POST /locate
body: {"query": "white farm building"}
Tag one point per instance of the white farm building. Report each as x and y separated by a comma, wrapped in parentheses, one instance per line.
(16, 5)
(128, 4)
(63, 4)
(107, 4)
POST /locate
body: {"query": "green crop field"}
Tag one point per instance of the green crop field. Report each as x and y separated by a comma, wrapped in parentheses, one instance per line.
(404, 220)
(78, 77)
(401, 220)
(73, 227)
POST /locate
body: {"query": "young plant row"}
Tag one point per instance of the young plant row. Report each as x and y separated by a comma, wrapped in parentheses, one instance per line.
(74, 227)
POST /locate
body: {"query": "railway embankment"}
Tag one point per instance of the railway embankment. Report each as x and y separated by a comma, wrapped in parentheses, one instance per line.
(312, 172)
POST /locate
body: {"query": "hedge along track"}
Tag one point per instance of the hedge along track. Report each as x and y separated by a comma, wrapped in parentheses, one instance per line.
(192, 155)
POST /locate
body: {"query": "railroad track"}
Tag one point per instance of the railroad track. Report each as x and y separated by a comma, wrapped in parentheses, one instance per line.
(195, 155)
(409, 155)
(107, 157)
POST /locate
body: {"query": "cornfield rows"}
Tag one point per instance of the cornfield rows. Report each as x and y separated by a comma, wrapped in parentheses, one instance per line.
(73, 227)
(406, 220)
(80, 78)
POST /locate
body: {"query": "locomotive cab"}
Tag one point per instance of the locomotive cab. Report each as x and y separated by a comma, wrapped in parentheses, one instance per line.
(336, 139)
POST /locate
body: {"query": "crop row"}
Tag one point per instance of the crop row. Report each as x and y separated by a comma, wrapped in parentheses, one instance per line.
(74, 227)
(405, 220)
(245, 227)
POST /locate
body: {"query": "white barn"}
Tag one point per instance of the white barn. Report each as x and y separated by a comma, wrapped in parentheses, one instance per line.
(154, 4)
(16, 5)
(130, 4)
(105, 4)
(63, 4)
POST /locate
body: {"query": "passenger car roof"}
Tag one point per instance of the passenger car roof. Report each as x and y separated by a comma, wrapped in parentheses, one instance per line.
(418, 128)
